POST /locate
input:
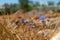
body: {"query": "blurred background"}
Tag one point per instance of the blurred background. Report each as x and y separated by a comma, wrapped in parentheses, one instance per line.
(12, 6)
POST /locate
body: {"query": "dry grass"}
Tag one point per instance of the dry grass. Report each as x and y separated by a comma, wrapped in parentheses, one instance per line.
(23, 32)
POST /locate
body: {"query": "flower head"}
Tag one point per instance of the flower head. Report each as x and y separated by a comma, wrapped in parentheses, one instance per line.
(26, 20)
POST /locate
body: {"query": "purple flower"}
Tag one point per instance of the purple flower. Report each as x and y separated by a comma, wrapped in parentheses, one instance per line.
(26, 20)
(42, 17)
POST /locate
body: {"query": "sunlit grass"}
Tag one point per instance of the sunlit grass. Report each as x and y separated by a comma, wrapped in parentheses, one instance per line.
(23, 32)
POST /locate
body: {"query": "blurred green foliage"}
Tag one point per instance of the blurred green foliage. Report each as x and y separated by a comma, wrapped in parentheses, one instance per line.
(10, 8)
(27, 5)
(24, 5)
(1, 12)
